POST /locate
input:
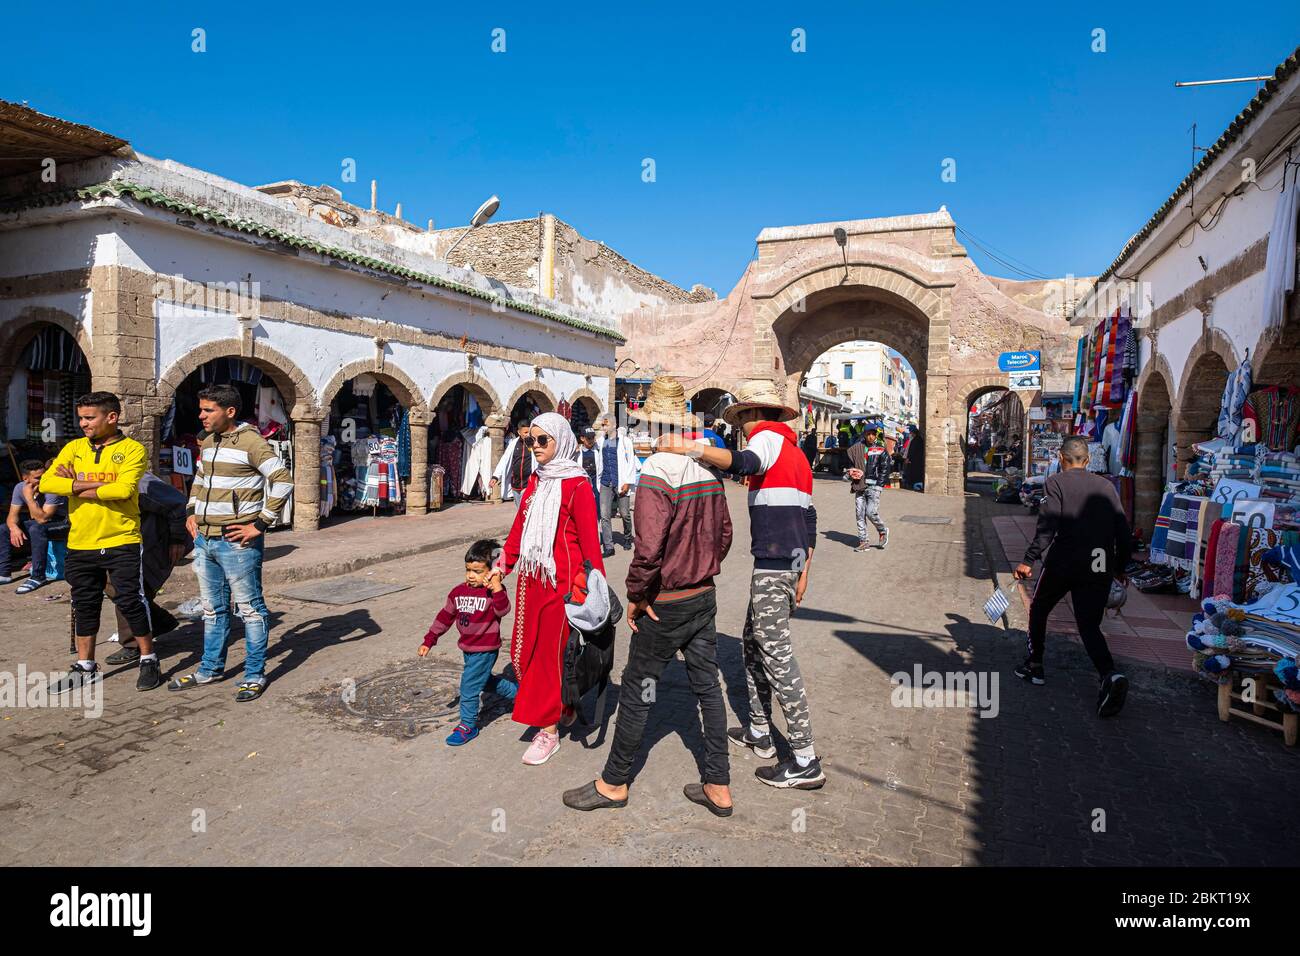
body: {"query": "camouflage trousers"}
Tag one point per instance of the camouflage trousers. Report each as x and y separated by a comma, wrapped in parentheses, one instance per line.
(769, 658)
(866, 505)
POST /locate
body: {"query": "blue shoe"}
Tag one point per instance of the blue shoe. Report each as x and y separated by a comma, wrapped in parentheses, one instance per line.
(461, 735)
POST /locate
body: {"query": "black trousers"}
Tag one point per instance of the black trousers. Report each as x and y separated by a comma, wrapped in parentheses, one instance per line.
(1088, 592)
(685, 626)
(88, 572)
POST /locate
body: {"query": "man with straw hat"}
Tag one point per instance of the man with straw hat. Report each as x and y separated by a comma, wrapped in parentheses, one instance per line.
(783, 527)
(682, 533)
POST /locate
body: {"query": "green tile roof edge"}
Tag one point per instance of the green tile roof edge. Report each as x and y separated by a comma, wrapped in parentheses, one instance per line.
(152, 197)
(1226, 138)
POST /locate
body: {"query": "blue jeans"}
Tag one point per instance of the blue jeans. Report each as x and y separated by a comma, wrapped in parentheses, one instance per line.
(230, 573)
(36, 538)
(478, 677)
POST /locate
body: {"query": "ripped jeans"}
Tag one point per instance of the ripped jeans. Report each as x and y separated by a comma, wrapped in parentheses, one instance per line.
(230, 574)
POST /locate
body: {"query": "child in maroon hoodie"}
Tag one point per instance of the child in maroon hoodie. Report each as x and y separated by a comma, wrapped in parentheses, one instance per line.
(476, 607)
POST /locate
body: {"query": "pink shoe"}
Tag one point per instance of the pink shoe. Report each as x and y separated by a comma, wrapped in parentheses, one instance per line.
(542, 748)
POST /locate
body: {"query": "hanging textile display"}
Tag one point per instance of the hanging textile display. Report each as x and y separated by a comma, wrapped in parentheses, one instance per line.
(1275, 414)
(1235, 391)
(404, 444)
(382, 486)
(564, 409)
(1080, 362)
(478, 466)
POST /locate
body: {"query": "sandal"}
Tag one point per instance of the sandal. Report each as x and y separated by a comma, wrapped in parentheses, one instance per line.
(191, 680)
(587, 797)
(694, 792)
(249, 690)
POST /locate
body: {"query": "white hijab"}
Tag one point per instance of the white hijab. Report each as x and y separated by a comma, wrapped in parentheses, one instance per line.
(542, 515)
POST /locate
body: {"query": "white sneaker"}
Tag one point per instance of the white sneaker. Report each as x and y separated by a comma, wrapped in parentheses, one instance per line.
(542, 748)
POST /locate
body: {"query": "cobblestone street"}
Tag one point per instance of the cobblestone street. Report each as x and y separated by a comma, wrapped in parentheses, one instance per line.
(194, 778)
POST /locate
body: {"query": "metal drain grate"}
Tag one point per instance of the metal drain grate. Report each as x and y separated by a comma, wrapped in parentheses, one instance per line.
(925, 519)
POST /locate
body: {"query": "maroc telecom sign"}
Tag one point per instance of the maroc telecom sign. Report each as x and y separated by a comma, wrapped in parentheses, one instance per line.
(1020, 362)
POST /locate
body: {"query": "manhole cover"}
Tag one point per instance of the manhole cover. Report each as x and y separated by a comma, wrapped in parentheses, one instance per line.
(345, 591)
(419, 693)
(925, 519)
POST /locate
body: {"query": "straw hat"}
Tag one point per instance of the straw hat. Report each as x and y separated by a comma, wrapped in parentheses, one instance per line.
(758, 393)
(665, 405)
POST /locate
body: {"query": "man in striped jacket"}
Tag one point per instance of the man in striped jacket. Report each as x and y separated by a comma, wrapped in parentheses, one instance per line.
(240, 487)
(783, 527)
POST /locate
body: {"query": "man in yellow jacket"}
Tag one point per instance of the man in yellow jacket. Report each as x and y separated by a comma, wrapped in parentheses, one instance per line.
(100, 476)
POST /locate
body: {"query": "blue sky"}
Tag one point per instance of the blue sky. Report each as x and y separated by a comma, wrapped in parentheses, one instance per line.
(1061, 153)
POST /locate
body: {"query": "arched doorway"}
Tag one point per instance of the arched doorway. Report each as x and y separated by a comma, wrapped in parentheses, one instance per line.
(264, 406)
(1199, 399)
(1154, 460)
(369, 462)
(994, 427)
(528, 403)
(847, 313)
(41, 389)
(460, 441)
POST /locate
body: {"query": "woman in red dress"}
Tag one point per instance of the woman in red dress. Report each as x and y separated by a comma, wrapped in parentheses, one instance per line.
(554, 533)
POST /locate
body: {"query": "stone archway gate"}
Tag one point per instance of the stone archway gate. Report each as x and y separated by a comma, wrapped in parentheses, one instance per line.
(904, 281)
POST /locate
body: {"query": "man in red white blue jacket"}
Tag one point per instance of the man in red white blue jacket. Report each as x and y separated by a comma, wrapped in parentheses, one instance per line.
(783, 528)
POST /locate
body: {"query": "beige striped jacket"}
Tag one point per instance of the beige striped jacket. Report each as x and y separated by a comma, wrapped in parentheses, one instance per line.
(239, 478)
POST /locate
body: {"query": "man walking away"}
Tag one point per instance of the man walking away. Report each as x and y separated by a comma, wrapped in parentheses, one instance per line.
(783, 527)
(683, 532)
(100, 476)
(589, 458)
(240, 487)
(618, 474)
(869, 473)
(1084, 542)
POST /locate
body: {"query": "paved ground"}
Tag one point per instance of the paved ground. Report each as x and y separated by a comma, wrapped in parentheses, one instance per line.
(162, 778)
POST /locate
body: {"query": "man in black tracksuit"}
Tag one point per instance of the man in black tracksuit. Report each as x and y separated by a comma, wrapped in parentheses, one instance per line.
(1084, 542)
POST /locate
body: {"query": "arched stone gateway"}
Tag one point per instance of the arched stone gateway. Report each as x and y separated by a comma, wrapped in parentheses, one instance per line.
(903, 281)
(16, 333)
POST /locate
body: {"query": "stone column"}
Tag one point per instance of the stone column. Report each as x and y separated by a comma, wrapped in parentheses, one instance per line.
(417, 492)
(496, 426)
(306, 468)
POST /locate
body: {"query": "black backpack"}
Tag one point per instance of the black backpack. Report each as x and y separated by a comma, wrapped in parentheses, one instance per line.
(588, 662)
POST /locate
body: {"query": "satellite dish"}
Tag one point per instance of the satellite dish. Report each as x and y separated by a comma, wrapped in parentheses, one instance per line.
(485, 212)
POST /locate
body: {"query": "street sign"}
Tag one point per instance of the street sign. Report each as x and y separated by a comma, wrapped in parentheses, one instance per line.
(1020, 362)
(1025, 381)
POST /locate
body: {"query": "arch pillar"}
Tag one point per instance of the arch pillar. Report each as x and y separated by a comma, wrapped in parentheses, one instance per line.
(306, 466)
(496, 426)
(417, 492)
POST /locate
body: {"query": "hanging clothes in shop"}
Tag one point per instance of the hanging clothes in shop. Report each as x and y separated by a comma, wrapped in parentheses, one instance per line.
(1080, 373)
(1275, 414)
(1235, 392)
(1280, 259)
(382, 486)
(328, 478)
(478, 467)
(450, 456)
(270, 407)
(54, 350)
(404, 444)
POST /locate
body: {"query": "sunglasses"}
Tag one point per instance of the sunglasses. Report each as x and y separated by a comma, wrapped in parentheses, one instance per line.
(541, 441)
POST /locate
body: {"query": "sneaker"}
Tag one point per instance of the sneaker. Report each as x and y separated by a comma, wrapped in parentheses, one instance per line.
(1110, 699)
(1031, 672)
(743, 737)
(862, 546)
(197, 679)
(30, 585)
(150, 675)
(76, 678)
(542, 748)
(461, 735)
(788, 774)
(884, 539)
(6, 579)
(127, 655)
(607, 553)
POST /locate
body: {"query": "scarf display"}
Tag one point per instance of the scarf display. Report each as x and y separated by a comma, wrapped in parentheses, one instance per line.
(542, 515)
(1157, 554)
(1256, 638)
(1235, 391)
(1225, 559)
